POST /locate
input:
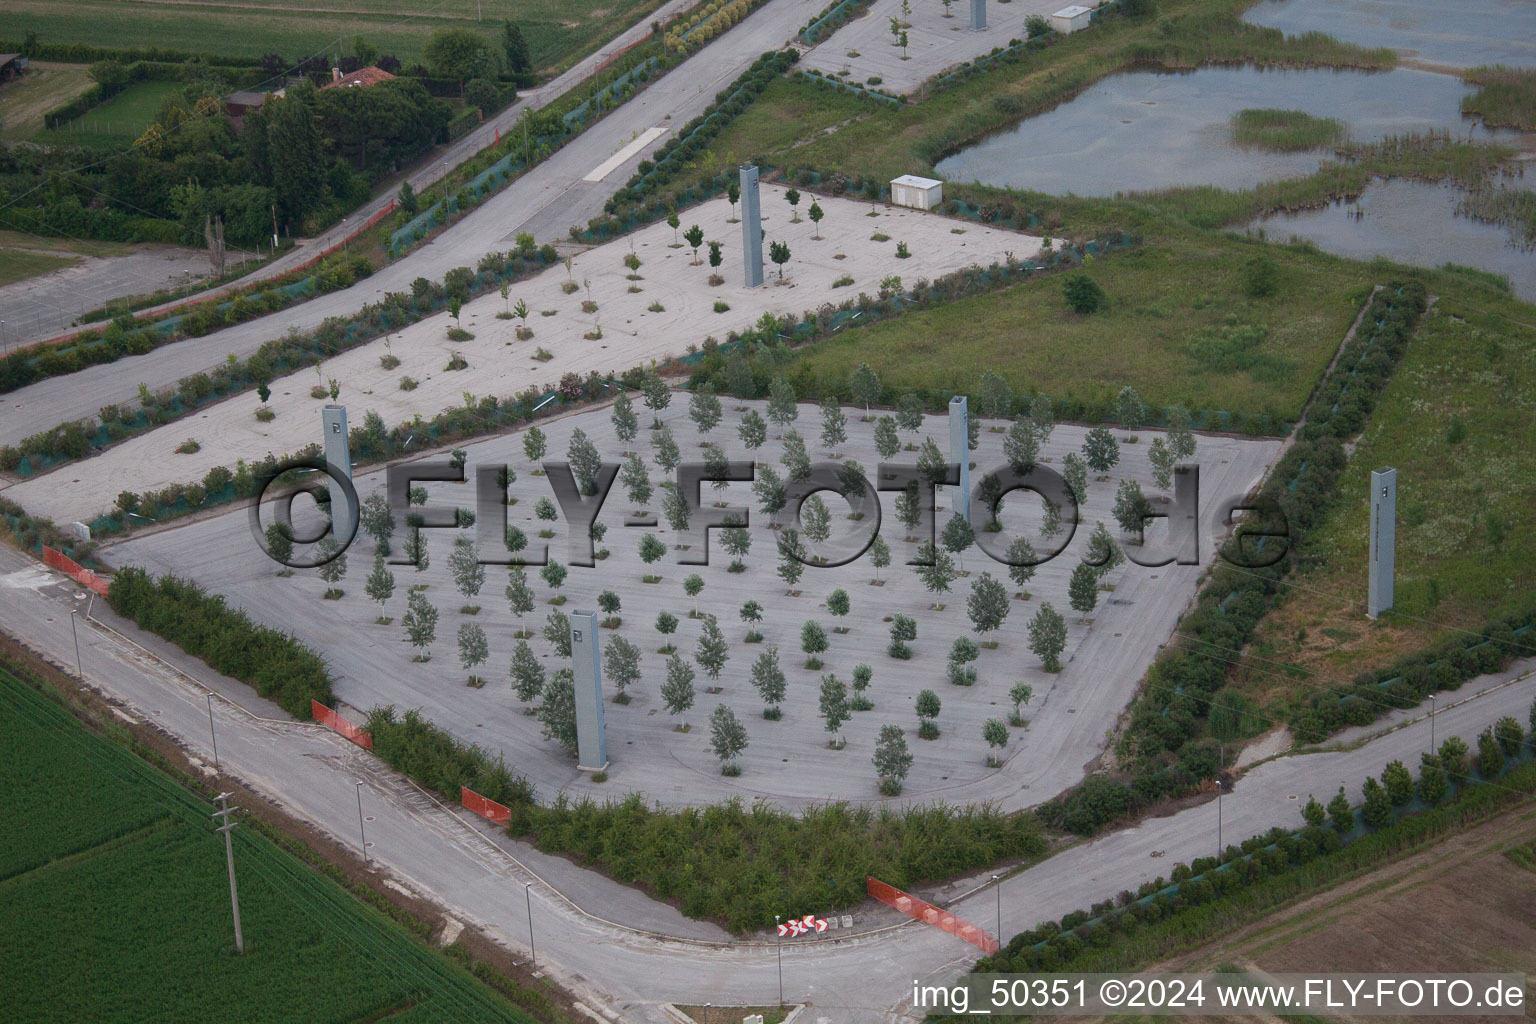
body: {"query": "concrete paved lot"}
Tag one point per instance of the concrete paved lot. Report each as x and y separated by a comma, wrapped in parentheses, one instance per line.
(788, 760)
(632, 335)
(865, 47)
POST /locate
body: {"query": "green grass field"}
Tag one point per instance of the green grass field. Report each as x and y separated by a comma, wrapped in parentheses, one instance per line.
(46, 85)
(114, 903)
(1457, 423)
(787, 112)
(18, 265)
(123, 117)
(557, 31)
(1170, 306)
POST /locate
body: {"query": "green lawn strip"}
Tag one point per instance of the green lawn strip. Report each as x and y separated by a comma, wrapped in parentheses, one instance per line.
(1175, 329)
(19, 264)
(141, 931)
(124, 116)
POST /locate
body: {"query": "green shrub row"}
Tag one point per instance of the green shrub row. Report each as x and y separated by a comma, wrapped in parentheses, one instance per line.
(415, 747)
(273, 662)
(1211, 896)
(81, 53)
(831, 18)
(148, 71)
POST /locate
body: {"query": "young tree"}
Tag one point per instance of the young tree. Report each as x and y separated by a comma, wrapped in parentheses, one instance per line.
(377, 520)
(909, 413)
(527, 674)
(813, 641)
(1043, 415)
(704, 409)
(1340, 813)
(909, 508)
(625, 423)
(1021, 561)
(928, 707)
(782, 410)
(737, 542)
(1101, 449)
(1398, 782)
(834, 705)
(903, 632)
(1432, 785)
(834, 425)
(416, 549)
(694, 236)
(558, 711)
(879, 554)
(333, 568)
(666, 625)
(892, 759)
(586, 462)
(1129, 409)
(675, 507)
(1022, 445)
(1132, 509)
(380, 585)
(712, 651)
(769, 489)
(280, 541)
(468, 573)
(1313, 813)
(996, 397)
(637, 483)
(519, 594)
(939, 572)
(778, 252)
(553, 574)
(728, 738)
(961, 653)
(797, 461)
(752, 430)
(668, 457)
(958, 536)
(792, 196)
(1162, 458)
(1510, 735)
(1103, 553)
(657, 396)
(862, 674)
(1377, 810)
(1180, 437)
(864, 384)
(535, 444)
(1020, 693)
(838, 603)
(887, 443)
(768, 680)
(932, 463)
(677, 688)
(473, 649)
(621, 663)
(651, 548)
(791, 558)
(816, 519)
(1048, 637)
(1074, 472)
(733, 193)
(609, 603)
(1453, 758)
(816, 213)
(1083, 294)
(987, 604)
(673, 223)
(1083, 588)
(996, 734)
(1490, 757)
(420, 623)
(693, 585)
(716, 257)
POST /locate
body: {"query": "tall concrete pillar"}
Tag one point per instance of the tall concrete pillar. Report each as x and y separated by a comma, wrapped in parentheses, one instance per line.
(960, 452)
(751, 227)
(338, 454)
(586, 663)
(1383, 539)
(978, 15)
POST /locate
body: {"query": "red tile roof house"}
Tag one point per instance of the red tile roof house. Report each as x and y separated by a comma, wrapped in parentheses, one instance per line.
(362, 76)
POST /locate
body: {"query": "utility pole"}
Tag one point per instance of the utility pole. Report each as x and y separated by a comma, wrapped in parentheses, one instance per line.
(533, 954)
(211, 734)
(361, 830)
(73, 632)
(778, 946)
(229, 855)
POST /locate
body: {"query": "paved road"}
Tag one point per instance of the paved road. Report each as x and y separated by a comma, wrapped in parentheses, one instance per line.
(616, 949)
(547, 200)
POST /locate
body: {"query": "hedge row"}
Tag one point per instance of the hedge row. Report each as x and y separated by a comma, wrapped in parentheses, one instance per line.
(832, 17)
(80, 53)
(275, 663)
(1211, 896)
(147, 71)
(417, 748)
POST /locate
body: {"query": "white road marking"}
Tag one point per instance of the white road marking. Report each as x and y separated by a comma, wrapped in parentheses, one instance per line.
(608, 166)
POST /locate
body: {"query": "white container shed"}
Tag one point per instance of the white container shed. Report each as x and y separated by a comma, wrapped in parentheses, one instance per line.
(918, 193)
(1072, 19)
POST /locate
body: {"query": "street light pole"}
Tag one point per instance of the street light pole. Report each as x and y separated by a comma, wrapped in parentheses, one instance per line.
(778, 947)
(533, 953)
(361, 830)
(73, 632)
(997, 881)
(1432, 747)
(211, 734)
(1218, 801)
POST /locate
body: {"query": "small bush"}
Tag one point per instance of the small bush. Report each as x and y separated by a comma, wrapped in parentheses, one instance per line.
(542, 354)
(569, 286)
(319, 391)
(842, 282)
(189, 447)
(265, 415)
(457, 362)
(656, 307)
(722, 306)
(879, 236)
(588, 306)
(524, 333)
(459, 334)
(407, 383)
(389, 362)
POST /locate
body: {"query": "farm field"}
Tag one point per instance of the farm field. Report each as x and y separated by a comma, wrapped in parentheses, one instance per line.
(1455, 422)
(101, 852)
(556, 32)
(1178, 325)
(46, 85)
(1465, 904)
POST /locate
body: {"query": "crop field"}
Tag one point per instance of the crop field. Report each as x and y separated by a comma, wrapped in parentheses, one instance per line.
(100, 852)
(556, 32)
(46, 85)
(1456, 422)
(1179, 327)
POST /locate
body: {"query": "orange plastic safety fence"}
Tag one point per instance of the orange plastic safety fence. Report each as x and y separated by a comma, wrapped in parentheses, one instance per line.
(499, 813)
(74, 570)
(325, 716)
(929, 914)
